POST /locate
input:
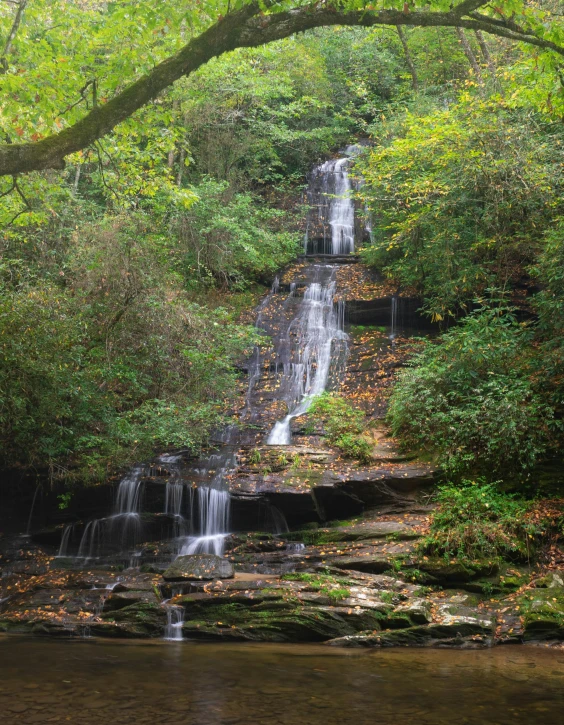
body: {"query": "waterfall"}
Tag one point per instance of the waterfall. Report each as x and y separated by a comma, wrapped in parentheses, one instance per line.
(91, 539)
(330, 227)
(28, 527)
(123, 527)
(393, 318)
(175, 620)
(316, 331)
(213, 514)
(63, 548)
(341, 217)
(211, 509)
(254, 376)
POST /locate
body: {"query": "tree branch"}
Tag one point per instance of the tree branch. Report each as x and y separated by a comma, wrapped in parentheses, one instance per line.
(408, 58)
(247, 27)
(12, 34)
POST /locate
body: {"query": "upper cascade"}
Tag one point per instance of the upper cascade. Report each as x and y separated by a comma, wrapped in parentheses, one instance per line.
(331, 224)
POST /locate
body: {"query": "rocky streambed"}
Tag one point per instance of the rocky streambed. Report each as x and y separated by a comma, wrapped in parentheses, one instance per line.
(360, 583)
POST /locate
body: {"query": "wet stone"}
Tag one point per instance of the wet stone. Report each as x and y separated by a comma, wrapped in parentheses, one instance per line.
(199, 566)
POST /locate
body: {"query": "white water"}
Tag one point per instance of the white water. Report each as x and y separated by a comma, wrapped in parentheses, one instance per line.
(341, 217)
(316, 329)
(393, 318)
(123, 527)
(175, 620)
(212, 504)
(28, 527)
(213, 513)
(63, 548)
(332, 214)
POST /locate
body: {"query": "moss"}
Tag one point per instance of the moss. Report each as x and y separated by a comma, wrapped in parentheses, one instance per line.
(141, 619)
(543, 613)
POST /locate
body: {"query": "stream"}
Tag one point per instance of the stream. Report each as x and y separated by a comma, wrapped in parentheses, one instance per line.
(207, 684)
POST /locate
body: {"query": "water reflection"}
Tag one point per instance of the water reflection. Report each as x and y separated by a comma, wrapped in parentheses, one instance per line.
(206, 684)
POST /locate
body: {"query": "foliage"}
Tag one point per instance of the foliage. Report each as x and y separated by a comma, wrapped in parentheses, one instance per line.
(474, 520)
(343, 424)
(111, 362)
(228, 239)
(470, 400)
(549, 303)
(461, 194)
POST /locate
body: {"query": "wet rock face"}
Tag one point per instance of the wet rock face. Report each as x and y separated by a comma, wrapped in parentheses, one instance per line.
(198, 566)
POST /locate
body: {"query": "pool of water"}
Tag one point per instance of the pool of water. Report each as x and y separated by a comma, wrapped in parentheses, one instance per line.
(207, 684)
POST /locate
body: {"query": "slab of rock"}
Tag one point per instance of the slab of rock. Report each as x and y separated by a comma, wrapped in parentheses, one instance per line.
(418, 611)
(198, 566)
(119, 600)
(370, 564)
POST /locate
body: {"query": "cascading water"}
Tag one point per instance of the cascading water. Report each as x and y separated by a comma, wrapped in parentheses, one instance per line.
(175, 620)
(330, 225)
(29, 520)
(63, 548)
(393, 318)
(211, 508)
(316, 339)
(122, 529)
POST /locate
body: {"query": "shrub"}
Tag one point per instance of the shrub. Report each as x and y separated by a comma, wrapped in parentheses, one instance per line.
(343, 424)
(475, 520)
(470, 400)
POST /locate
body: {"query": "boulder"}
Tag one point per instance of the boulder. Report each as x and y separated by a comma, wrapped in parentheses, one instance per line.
(198, 566)
(119, 600)
(544, 613)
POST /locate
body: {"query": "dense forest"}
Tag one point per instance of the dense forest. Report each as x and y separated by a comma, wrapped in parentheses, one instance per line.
(124, 276)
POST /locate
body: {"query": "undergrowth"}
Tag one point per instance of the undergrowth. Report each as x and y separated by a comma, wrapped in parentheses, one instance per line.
(343, 424)
(476, 521)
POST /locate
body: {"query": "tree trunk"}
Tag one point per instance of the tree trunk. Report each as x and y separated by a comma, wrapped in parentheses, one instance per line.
(408, 58)
(181, 166)
(76, 180)
(485, 52)
(469, 53)
(13, 32)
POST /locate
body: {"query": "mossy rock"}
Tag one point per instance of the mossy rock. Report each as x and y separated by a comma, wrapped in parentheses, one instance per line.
(276, 621)
(119, 600)
(142, 619)
(363, 532)
(455, 632)
(543, 613)
(449, 573)
(552, 580)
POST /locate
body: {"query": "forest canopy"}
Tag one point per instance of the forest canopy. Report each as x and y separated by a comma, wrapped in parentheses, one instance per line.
(121, 56)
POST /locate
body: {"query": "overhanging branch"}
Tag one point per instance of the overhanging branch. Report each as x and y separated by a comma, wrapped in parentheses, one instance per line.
(247, 27)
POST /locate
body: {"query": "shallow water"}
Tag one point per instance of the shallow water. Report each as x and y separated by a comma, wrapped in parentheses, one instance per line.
(208, 684)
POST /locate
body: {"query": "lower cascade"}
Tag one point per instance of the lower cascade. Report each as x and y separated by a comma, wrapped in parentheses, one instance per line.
(175, 620)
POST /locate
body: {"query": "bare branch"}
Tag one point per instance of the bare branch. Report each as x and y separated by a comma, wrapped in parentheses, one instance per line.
(27, 206)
